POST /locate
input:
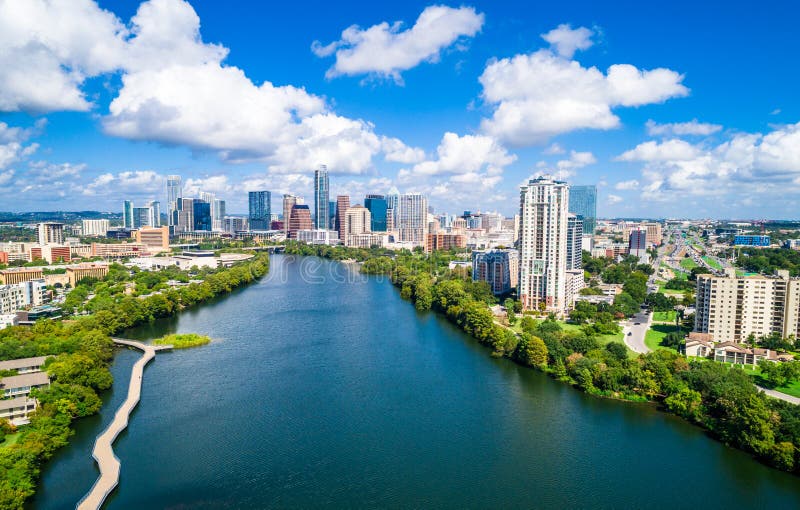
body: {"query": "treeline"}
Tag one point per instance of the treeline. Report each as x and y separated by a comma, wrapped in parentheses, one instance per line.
(82, 351)
(767, 260)
(712, 395)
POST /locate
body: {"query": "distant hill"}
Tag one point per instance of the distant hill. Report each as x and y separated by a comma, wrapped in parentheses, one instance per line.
(65, 216)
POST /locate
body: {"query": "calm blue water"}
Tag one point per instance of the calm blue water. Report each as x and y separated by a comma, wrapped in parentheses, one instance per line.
(320, 392)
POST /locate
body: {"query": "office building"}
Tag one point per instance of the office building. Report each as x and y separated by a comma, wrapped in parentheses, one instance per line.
(583, 202)
(155, 238)
(637, 243)
(94, 228)
(318, 236)
(499, 268)
(357, 220)
(127, 214)
(201, 217)
(51, 233)
(574, 241)
(543, 244)
(332, 214)
(411, 218)
(13, 298)
(174, 194)
(751, 240)
(377, 208)
(444, 241)
(731, 307)
(342, 204)
(218, 215)
(289, 201)
(141, 217)
(88, 270)
(321, 198)
(259, 209)
(235, 224)
(299, 219)
(19, 275)
(185, 217)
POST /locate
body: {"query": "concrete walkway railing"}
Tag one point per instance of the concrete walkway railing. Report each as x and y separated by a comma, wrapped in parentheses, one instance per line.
(103, 453)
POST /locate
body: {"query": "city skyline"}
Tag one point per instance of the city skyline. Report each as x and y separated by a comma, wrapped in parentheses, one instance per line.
(462, 104)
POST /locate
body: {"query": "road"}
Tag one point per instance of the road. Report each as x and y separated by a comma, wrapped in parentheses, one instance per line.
(779, 395)
(637, 327)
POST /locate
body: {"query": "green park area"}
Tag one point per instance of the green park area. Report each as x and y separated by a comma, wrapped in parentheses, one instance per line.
(668, 316)
(656, 334)
(688, 263)
(713, 263)
(9, 440)
(183, 341)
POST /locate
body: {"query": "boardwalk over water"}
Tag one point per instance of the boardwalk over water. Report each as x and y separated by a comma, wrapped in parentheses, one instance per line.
(103, 453)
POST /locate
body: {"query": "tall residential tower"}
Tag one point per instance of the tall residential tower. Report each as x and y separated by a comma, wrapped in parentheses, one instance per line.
(543, 205)
(321, 198)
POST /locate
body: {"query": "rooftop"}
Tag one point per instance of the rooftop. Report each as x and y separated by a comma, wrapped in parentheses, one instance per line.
(17, 381)
(14, 364)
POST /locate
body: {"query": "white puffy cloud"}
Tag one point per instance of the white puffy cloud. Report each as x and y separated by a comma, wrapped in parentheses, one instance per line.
(536, 96)
(627, 185)
(553, 149)
(566, 40)
(176, 88)
(12, 143)
(763, 163)
(395, 150)
(693, 127)
(565, 168)
(385, 50)
(466, 154)
(614, 199)
(669, 150)
(128, 184)
(49, 47)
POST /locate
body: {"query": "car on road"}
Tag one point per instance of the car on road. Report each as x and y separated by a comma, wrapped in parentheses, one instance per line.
(630, 333)
(637, 323)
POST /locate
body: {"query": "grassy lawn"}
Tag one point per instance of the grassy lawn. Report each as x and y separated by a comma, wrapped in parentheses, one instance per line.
(602, 339)
(668, 316)
(656, 333)
(688, 263)
(713, 263)
(10, 439)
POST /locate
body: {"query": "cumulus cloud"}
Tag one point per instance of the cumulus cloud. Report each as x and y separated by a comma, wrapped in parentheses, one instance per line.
(669, 150)
(566, 41)
(614, 199)
(764, 163)
(176, 88)
(466, 154)
(536, 96)
(386, 50)
(134, 183)
(49, 47)
(693, 127)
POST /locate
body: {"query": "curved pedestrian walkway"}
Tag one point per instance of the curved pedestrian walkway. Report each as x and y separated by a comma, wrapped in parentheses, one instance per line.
(779, 395)
(103, 453)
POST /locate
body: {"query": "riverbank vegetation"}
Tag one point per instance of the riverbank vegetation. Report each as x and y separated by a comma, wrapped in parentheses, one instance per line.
(719, 398)
(182, 340)
(81, 351)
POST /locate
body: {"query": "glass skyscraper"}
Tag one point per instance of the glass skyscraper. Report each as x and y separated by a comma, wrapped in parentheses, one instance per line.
(201, 215)
(321, 198)
(583, 202)
(260, 209)
(174, 194)
(377, 208)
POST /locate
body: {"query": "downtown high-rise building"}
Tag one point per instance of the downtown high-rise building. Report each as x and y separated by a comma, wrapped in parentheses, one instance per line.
(321, 198)
(154, 214)
(289, 201)
(574, 241)
(342, 205)
(127, 214)
(299, 219)
(356, 221)
(174, 194)
(411, 218)
(583, 202)
(185, 215)
(377, 208)
(543, 205)
(201, 217)
(259, 209)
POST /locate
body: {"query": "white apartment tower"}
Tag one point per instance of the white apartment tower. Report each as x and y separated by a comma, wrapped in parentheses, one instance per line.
(357, 220)
(731, 307)
(543, 206)
(51, 233)
(411, 218)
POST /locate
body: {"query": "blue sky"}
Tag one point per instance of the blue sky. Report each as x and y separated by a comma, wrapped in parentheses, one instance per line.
(686, 109)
